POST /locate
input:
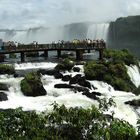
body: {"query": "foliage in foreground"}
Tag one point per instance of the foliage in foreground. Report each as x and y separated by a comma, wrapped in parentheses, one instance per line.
(64, 124)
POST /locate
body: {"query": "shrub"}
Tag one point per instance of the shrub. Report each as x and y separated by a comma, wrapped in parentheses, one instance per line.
(114, 74)
(62, 123)
(119, 56)
(66, 64)
(6, 69)
(94, 71)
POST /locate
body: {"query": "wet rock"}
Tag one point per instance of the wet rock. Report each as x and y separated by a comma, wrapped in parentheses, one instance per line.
(97, 93)
(48, 72)
(16, 75)
(3, 87)
(75, 79)
(90, 95)
(66, 64)
(66, 78)
(80, 89)
(76, 69)
(83, 82)
(3, 96)
(32, 86)
(134, 103)
(58, 75)
(78, 79)
(63, 86)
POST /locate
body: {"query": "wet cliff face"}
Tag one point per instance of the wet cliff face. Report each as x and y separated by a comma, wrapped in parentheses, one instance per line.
(125, 33)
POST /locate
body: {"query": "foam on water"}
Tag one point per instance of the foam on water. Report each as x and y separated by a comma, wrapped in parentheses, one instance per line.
(64, 96)
(134, 74)
(25, 66)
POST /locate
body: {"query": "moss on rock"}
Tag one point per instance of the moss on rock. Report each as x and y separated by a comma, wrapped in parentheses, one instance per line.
(113, 72)
(66, 64)
(31, 85)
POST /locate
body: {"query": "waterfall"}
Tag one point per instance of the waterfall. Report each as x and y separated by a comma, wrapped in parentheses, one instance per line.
(66, 32)
(134, 73)
(41, 35)
(64, 96)
(98, 31)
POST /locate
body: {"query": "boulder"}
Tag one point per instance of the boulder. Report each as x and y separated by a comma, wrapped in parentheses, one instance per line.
(63, 86)
(3, 96)
(31, 85)
(134, 103)
(3, 87)
(47, 72)
(66, 78)
(78, 79)
(58, 75)
(97, 93)
(66, 64)
(75, 79)
(83, 82)
(80, 89)
(76, 69)
(90, 95)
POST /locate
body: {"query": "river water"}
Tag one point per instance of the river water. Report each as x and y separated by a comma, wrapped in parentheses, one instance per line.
(66, 96)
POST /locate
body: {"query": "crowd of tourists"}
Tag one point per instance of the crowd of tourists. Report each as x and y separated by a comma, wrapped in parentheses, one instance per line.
(62, 43)
(84, 42)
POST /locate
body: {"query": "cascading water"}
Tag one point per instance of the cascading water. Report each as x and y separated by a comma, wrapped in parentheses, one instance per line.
(41, 35)
(64, 96)
(98, 31)
(66, 32)
(134, 74)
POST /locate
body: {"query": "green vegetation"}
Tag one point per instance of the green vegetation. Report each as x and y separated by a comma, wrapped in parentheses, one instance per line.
(121, 56)
(6, 69)
(66, 64)
(113, 70)
(31, 85)
(114, 74)
(64, 124)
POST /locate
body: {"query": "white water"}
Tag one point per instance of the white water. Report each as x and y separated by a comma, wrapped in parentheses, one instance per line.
(134, 74)
(29, 65)
(64, 96)
(47, 35)
(98, 31)
(41, 35)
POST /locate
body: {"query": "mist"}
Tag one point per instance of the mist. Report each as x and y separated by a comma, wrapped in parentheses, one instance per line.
(25, 14)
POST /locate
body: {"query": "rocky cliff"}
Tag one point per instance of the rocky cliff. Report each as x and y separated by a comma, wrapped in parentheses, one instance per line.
(125, 33)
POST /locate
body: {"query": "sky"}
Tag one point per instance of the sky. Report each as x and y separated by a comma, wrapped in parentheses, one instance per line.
(25, 14)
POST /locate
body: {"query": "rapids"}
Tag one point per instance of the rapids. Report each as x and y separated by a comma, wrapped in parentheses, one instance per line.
(66, 96)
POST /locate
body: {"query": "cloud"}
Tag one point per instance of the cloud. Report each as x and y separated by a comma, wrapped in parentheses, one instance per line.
(25, 14)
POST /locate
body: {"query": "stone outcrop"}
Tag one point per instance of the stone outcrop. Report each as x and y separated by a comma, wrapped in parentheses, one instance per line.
(3, 96)
(125, 33)
(31, 85)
